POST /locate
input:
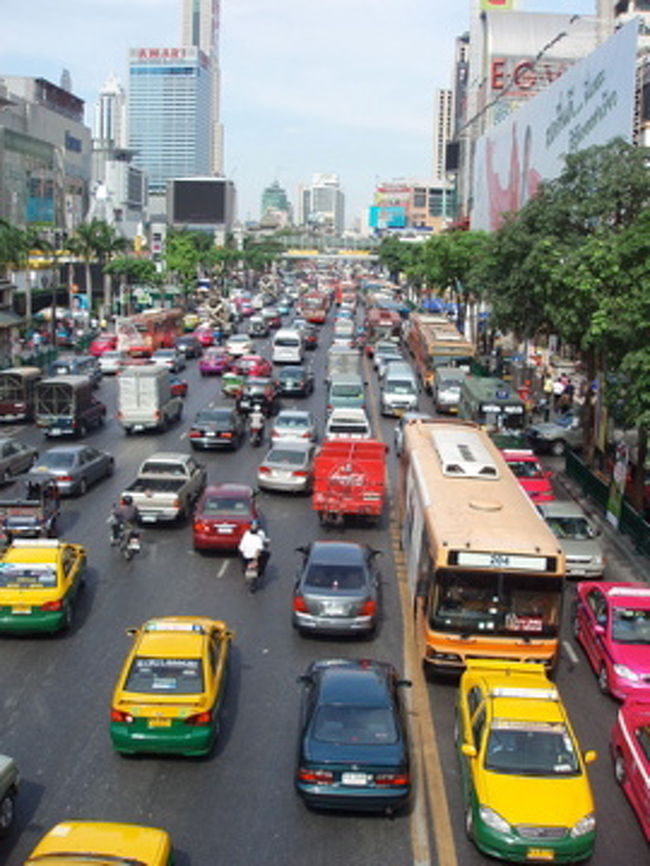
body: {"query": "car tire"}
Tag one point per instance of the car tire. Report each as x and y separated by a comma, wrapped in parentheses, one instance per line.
(575, 627)
(603, 680)
(558, 448)
(67, 617)
(83, 487)
(83, 431)
(619, 768)
(469, 822)
(110, 469)
(7, 811)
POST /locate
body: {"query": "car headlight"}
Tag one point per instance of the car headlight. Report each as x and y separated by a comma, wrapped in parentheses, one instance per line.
(493, 820)
(626, 673)
(584, 825)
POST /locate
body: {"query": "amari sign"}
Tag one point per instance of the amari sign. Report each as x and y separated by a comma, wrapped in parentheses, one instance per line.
(591, 103)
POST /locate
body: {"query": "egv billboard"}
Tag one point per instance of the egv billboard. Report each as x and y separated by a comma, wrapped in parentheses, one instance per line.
(590, 104)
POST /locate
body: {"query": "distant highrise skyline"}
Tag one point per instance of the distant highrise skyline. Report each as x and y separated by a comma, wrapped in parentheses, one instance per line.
(201, 28)
(111, 114)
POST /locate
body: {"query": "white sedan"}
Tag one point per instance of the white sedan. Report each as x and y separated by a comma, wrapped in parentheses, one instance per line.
(294, 424)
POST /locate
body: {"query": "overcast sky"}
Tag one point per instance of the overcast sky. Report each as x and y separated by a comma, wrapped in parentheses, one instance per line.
(344, 86)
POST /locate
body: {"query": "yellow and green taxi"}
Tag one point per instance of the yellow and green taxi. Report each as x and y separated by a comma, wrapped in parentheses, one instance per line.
(39, 581)
(74, 842)
(168, 696)
(525, 787)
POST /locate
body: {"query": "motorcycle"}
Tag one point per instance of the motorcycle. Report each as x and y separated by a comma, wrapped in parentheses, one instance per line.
(127, 538)
(256, 433)
(254, 568)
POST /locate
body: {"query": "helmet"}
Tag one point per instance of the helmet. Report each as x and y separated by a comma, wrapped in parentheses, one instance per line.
(127, 500)
(255, 525)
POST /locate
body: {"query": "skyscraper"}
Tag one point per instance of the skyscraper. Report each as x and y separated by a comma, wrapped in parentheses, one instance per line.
(170, 92)
(200, 28)
(322, 205)
(110, 114)
(442, 122)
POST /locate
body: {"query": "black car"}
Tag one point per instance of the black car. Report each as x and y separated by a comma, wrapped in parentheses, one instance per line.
(337, 589)
(295, 382)
(310, 335)
(190, 346)
(353, 751)
(258, 391)
(216, 428)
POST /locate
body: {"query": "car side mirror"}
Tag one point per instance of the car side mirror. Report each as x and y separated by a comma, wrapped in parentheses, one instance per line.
(468, 750)
(599, 629)
(590, 756)
(305, 679)
(406, 684)
(131, 631)
(376, 552)
(301, 549)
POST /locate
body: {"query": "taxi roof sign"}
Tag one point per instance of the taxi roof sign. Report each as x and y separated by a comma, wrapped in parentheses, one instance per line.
(514, 692)
(173, 625)
(37, 542)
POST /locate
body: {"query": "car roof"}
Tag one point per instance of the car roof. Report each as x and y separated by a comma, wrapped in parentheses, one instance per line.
(292, 413)
(560, 508)
(337, 552)
(624, 594)
(64, 449)
(37, 554)
(243, 490)
(517, 691)
(290, 445)
(354, 682)
(348, 412)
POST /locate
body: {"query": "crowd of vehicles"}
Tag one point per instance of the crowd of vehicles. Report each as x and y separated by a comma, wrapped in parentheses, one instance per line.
(486, 560)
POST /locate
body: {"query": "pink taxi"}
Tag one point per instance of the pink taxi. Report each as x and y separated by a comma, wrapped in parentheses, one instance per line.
(631, 753)
(535, 480)
(612, 622)
(215, 360)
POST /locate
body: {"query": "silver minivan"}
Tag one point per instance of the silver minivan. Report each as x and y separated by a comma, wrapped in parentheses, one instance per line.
(399, 391)
(447, 382)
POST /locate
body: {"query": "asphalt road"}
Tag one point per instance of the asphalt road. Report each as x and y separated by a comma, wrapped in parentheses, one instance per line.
(238, 806)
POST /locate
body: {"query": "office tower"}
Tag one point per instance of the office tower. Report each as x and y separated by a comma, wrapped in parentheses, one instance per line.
(110, 114)
(170, 92)
(323, 204)
(200, 28)
(442, 127)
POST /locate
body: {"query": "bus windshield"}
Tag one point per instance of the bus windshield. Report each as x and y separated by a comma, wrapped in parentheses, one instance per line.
(499, 603)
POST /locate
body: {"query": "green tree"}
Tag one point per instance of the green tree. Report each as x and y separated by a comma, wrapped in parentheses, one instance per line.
(182, 258)
(97, 241)
(132, 271)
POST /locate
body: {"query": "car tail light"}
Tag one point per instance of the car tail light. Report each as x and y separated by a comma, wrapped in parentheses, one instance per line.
(369, 608)
(299, 604)
(176, 502)
(329, 407)
(119, 716)
(201, 526)
(64, 478)
(199, 719)
(392, 779)
(305, 435)
(53, 605)
(156, 414)
(299, 473)
(264, 470)
(120, 415)
(226, 435)
(194, 434)
(275, 434)
(317, 777)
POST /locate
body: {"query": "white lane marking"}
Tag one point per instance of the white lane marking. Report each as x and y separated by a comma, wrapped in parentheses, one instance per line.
(568, 649)
(183, 435)
(223, 569)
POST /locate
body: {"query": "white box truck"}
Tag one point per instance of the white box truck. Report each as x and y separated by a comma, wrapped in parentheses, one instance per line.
(144, 399)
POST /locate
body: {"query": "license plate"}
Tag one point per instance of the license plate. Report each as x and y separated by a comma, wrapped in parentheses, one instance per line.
(224, 530)
(138, 428)
(281, 475)
(357, 779)
(335, 610)
(160, 723)
(21, 608)
(540, 854)
(56, 431)
(210, 434)
(147, 518)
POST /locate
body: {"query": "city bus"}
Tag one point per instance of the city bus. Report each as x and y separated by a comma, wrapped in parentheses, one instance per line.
(486, 574)
(491, 403)
(17, 390)
(140, 335)
(434, 341)
(313, 307)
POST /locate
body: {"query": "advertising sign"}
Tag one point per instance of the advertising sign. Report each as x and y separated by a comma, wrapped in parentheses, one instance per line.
(590, 104)
(387, 217)
(492, 5)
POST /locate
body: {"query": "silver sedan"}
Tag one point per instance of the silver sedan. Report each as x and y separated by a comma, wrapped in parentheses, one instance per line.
(294, 424)
(75, 467)
(288, 466)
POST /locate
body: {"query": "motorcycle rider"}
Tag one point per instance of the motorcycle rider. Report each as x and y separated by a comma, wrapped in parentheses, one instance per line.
(256, 422)
(124, 518)
(253, 545)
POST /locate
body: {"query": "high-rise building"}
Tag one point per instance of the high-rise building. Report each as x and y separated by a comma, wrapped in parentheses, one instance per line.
(200, 28)
(111, 114)
(442, 129)
(323, 204)
(170, 93)
(274, 198)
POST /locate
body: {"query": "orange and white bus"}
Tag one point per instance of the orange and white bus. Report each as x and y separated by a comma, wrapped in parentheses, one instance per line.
(434, 341)
(140, 335)
(485, 572)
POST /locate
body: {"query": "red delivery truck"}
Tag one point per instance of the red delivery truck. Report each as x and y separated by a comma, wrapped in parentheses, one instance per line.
(349, 479)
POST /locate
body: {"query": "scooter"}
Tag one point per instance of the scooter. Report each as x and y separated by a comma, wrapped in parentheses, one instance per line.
(130, 544)
(256, 433)
(252, 573)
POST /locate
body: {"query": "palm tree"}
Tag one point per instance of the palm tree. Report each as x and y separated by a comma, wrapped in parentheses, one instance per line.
(97, 240)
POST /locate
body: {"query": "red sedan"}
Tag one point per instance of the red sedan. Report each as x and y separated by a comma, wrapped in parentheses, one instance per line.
(253, 365)
(223, 514)
(631, 753)
(103, 343)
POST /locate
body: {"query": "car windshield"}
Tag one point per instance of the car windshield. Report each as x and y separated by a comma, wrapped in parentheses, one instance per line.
(286, 457)
(222, 420)
(526, 468)
(226, 506)
(168, 676)
(291, 373)
(530, 749)
(292, 421)
(238, 338)
(164, 353)
(333, 577)
(214, 353)
(397, 387)
(57, 460)
(286, 341)
(630, 625)
(20, 575)
(354, 725)
(571, 528)
(347, 391)
(348, 427)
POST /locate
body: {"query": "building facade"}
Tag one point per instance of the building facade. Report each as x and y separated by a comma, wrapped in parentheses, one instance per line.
(276, 208)
(443, 105)
(201, 20)
(322, 204)
(45, 155)
(421, 206)
(169, 115)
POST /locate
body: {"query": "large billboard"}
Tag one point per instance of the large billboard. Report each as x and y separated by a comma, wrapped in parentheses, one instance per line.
(201, 201)
(390, 217)
(590, 104)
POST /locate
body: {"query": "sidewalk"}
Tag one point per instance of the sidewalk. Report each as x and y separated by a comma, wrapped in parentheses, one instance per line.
(635, 565)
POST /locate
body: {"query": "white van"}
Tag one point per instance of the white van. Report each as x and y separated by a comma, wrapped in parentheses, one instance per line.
(348, 424)
(399, 392)
(288, 347)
